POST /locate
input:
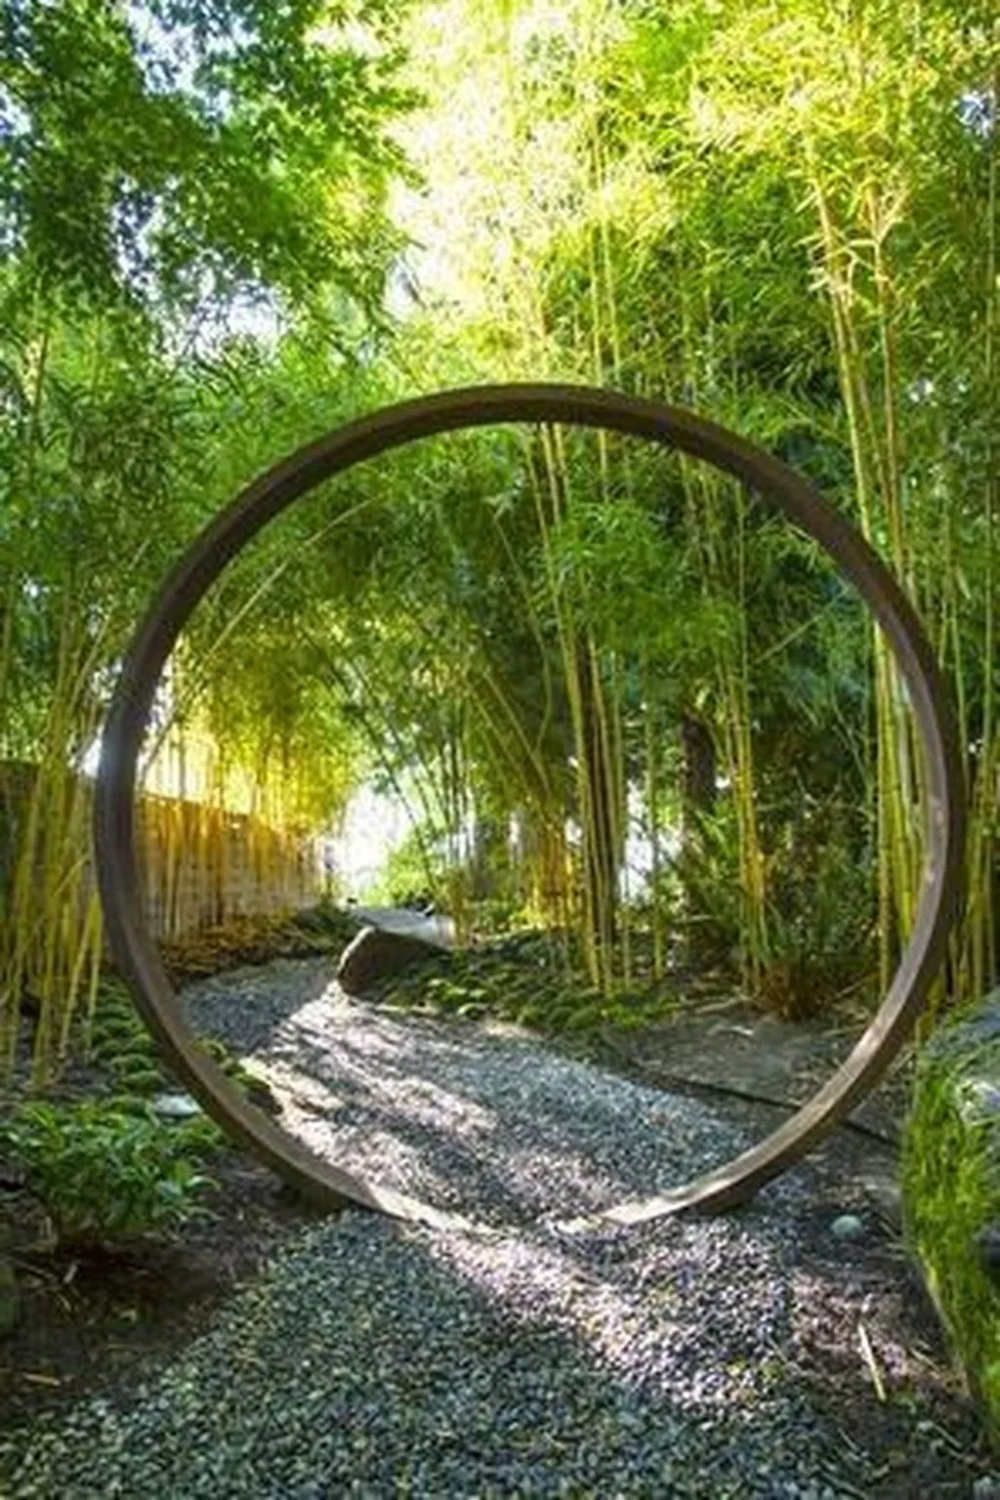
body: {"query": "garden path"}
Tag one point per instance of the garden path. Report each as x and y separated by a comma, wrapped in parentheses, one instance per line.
(754, 1354)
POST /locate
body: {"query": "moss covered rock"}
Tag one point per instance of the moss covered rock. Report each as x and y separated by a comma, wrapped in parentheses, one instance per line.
(951, 1190)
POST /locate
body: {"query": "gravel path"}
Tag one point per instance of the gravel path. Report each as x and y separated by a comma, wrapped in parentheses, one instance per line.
(375, 1358)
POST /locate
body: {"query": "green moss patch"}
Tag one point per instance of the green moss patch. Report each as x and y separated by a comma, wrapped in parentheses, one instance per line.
(528, 978)
(951, 1190)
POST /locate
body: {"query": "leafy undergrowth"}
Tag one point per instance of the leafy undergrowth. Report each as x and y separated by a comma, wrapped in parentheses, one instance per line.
(527, 978)
(119, 1228)
(126, 1060)
(94, 1156)
(104, 1167)
(106, 1171)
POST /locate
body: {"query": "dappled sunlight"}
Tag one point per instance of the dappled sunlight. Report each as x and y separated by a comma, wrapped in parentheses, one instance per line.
(654, 1366)
(644, 1312)
(479, 1120)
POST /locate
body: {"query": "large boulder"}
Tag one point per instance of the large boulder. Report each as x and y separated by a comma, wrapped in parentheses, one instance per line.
(377, 951)
(951, 1189)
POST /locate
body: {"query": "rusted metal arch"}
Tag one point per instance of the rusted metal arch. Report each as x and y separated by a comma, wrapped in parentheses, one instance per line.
(448, 411)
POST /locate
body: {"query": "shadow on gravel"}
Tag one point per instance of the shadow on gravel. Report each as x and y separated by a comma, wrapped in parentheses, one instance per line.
(696, 1357)
(745, 1331)
(491, 1127)
(380, 1359)
(248, 1006)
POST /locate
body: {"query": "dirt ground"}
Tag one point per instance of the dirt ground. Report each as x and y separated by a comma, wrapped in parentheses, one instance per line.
(96, 1325)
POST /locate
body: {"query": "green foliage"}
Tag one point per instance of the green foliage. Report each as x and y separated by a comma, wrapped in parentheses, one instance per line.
(123, 1047)
(414, 872)
(782, 216)
(702, 887)
(107, 1172)
(175, 149)
(822, 924)
(253, 1088)
(820, 916)
(166, 170)
(121, 1044)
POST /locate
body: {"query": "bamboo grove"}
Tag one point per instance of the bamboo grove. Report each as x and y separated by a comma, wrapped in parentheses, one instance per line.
(618, 697)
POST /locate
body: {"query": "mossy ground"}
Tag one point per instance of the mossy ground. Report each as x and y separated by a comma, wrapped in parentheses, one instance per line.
(531, 979)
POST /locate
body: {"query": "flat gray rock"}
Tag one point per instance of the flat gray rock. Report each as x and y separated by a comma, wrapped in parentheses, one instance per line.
(431, 927)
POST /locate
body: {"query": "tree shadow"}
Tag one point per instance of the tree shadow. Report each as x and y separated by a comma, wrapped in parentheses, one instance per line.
(487, 1125)
(377, 1358)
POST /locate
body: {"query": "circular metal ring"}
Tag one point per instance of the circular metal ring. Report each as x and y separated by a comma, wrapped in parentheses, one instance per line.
(448, 411)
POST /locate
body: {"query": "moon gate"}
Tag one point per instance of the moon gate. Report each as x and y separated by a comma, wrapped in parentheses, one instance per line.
(449, 411)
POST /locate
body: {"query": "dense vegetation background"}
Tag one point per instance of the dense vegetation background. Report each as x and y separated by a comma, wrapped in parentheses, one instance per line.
(621, 699)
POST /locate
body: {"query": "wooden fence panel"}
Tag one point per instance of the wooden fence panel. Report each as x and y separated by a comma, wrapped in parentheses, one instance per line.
(200, 866)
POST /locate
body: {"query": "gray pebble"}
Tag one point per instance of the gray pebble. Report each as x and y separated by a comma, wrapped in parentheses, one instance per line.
(848, 1227)
(175, 1106)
